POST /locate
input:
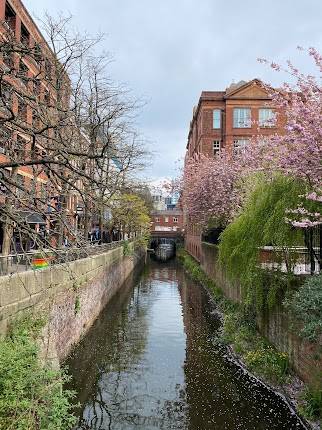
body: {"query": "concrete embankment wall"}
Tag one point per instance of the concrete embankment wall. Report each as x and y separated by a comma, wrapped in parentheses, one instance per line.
(275, 325)
(70, 296)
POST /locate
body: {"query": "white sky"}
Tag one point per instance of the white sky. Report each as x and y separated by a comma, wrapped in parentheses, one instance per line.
(169, 51)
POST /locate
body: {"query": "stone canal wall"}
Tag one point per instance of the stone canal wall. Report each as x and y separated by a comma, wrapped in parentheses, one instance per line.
(70, 296)
(275, 325)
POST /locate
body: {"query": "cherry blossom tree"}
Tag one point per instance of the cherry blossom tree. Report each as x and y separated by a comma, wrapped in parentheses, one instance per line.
(210, 188)
(214, 188)
(298, 151)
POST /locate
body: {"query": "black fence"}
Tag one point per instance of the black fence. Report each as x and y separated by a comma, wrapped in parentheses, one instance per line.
(21, 262)
(313, 243)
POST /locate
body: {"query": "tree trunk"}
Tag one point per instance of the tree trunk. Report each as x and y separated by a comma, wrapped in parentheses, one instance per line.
(7, 236)
(7, 223)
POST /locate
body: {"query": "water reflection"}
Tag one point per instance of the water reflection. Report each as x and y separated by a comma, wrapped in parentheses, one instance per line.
(151, 362)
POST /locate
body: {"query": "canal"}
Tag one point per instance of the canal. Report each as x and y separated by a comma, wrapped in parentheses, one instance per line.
(151, 361)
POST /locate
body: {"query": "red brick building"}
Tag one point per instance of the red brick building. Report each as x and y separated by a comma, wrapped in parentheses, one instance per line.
(228, 119)
(28, 80)
(167, 223)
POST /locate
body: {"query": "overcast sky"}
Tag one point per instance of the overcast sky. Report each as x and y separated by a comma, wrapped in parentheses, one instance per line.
(168, 51)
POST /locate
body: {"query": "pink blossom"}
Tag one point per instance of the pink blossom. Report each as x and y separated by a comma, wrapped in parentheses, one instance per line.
(213, 187)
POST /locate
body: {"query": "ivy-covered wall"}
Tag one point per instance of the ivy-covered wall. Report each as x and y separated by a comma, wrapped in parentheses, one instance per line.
(275, 324)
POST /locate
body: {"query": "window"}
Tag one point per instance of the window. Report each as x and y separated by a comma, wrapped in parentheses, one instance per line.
(20, 182)
(23, 72)
(157, 219)
(8, 59)
(4, 188)
(216, 116)
(6, 95)
(43, 192)
(37, 53)
(5, 139)
(10, 17)
(37, 87)
(175, 219)
(22, 109)
(216, 147)
(20, 147)
(25, 36)
(48, 68)
(166, 219)
(240, 144)
(47, 97)
(267, 117)
(242, 118)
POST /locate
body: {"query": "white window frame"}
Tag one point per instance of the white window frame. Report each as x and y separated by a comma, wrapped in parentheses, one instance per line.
(216, 147)
(166, 219)
(175, 219)
(157, 219)
(242, 117)
(216, 119)
(240, 145)
(266, 117)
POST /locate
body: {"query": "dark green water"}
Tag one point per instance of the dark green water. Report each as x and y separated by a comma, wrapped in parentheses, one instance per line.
(151, 362)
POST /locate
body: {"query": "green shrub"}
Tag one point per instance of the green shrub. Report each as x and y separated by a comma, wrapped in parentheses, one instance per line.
(262, 222)
(268, 362)
(127, 250)
(306, 306)
(31, 395)
(312, 407)
(260, 357)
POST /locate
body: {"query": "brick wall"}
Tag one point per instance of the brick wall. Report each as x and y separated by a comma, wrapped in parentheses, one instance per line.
(305, 357)
(54, 292)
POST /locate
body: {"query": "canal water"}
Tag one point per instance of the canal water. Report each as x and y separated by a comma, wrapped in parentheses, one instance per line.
(151, 361)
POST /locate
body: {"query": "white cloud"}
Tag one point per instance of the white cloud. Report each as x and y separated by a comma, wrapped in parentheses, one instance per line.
(170, 51)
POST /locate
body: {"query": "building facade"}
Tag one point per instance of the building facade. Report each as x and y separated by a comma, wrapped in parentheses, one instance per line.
(167, 223)
(228, 120)
(28, 97)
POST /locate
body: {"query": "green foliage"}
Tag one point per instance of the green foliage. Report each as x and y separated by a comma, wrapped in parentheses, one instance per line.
(261, 223)
(268, 362)
(260, 357)
(77, 305)
(127, 250)
(31, 395)
(306, 306)
(239, 329)
(143, 241)
(196, 273)
(312, 407)
(130, 214)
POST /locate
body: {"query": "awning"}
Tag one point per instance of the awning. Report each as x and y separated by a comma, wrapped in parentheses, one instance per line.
(32, 217)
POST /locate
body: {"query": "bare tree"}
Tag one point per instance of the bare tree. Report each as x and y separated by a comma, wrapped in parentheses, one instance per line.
(68, 142)
(106, 111)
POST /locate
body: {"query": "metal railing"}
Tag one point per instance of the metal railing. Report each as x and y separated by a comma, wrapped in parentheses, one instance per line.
(301, 256)
(15, 263)
(313, 242)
